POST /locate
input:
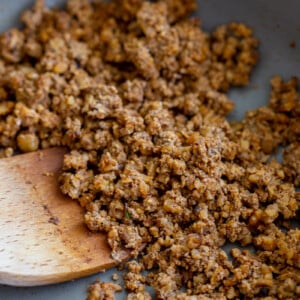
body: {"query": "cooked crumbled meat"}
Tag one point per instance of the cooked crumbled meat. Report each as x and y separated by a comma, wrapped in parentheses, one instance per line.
(115, 277)
(103, 290)
(291, 162)
(135, 90)
(233, 56)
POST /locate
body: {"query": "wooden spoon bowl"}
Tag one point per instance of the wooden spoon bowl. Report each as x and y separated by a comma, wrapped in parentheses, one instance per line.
(43, 238)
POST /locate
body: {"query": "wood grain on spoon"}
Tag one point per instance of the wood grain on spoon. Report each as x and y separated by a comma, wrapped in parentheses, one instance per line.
(43, 239)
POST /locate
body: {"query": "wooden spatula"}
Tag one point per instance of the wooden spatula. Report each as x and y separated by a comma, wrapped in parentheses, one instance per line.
(43, 239)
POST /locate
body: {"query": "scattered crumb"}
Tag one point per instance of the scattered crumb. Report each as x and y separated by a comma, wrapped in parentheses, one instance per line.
(115, 277)
(293, 44)
(103, 290)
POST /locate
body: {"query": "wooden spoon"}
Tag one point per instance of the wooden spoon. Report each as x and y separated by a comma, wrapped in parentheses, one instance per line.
(43, 239)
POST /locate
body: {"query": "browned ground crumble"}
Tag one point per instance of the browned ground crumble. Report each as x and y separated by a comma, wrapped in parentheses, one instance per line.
(103, 290)
(136, 91)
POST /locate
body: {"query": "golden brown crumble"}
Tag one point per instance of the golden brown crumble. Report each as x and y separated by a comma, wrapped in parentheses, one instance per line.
(103, 290)
(136, 91)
